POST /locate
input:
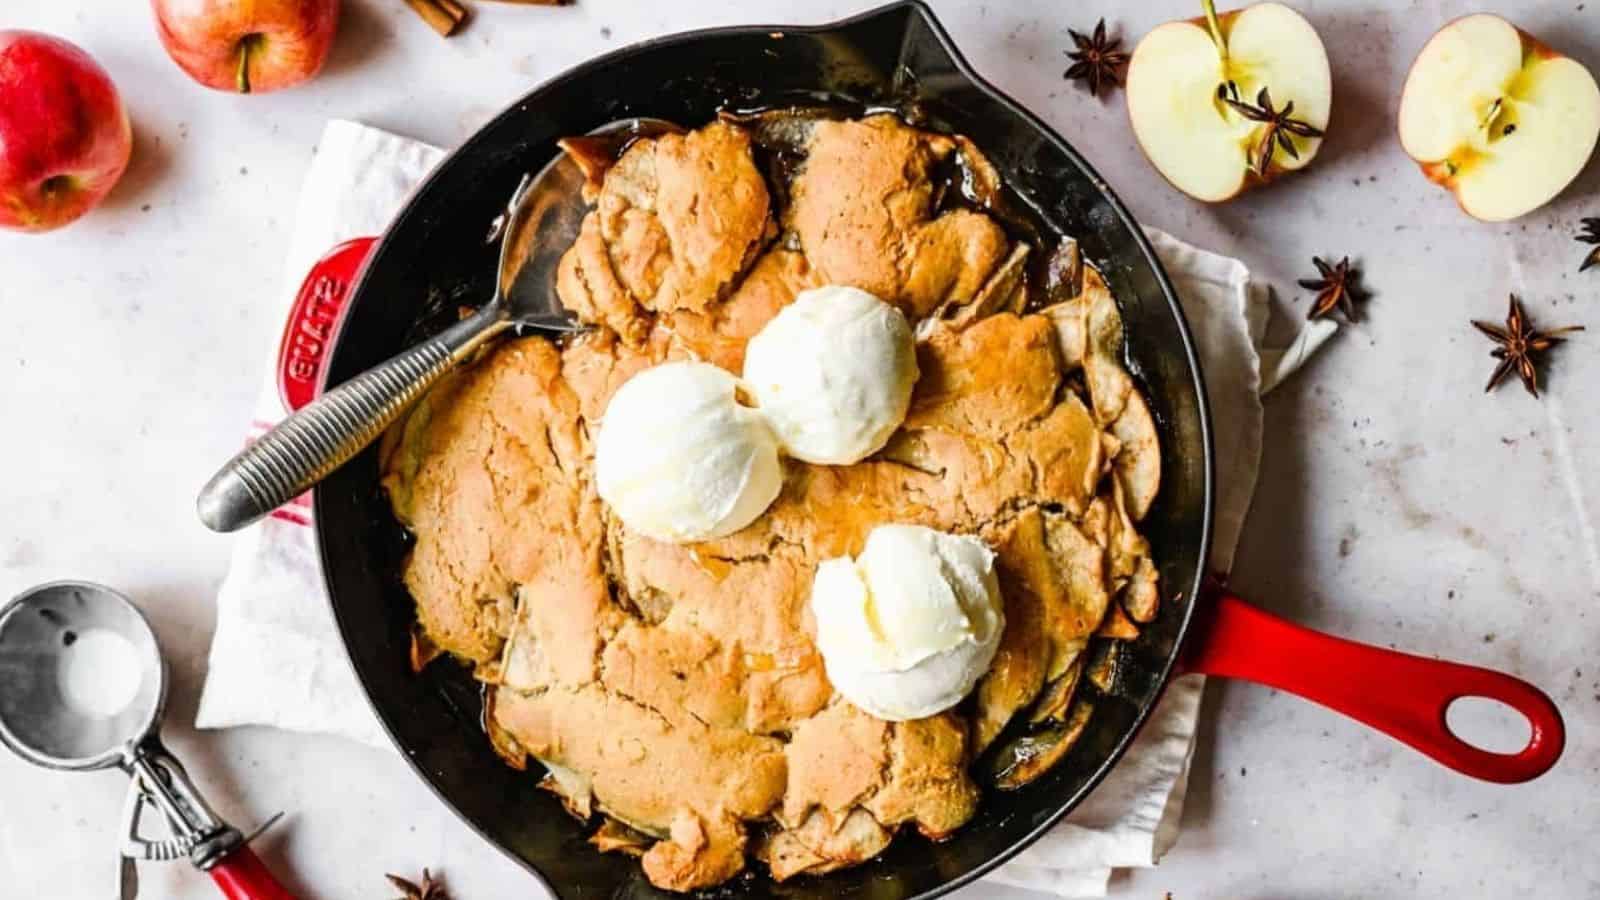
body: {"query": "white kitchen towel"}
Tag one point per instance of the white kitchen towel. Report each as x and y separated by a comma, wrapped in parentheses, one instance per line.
(276, 658)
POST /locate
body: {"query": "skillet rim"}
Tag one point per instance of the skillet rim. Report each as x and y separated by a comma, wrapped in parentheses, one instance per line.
(920, 9)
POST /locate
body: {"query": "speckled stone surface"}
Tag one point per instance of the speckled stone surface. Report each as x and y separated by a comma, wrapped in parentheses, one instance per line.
(1397, 504)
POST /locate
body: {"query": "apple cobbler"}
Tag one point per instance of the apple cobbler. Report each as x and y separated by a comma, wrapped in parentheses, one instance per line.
(672, 693)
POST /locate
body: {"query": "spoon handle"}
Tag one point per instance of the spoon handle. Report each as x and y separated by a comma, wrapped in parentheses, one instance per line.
(310, 444)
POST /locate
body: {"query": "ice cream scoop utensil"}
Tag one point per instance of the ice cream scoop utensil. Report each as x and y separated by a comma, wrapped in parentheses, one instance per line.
(82, 687)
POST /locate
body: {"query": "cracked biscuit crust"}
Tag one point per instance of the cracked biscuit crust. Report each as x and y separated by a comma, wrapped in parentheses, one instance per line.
(676, 688)
(677, 218)
(863, 209)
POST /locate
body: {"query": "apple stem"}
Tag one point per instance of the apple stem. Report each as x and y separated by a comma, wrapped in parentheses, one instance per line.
(1215, 27)
(246, 45)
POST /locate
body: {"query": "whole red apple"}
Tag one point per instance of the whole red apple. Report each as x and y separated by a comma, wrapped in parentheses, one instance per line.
(249, 46)
(64, 134)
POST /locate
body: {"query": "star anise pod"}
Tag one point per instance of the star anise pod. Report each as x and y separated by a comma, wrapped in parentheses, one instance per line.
(427, 890)
(1590, 235)
(1336, 289)
(1097, 60)
(1519, 343)
(1280, 124)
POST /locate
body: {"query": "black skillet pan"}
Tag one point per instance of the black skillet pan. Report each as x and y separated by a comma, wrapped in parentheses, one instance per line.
(434, 256)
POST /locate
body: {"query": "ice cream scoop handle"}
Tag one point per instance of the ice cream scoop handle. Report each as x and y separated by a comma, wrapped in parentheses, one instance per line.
(242, 876)
(310, 444)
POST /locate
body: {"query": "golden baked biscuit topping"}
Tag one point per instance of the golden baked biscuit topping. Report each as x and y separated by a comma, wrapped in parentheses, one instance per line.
(674, 693)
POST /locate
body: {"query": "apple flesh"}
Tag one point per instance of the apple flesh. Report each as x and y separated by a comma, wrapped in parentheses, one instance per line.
(1194, 140)
(1498, 118)
(64, 133)
(248, 46)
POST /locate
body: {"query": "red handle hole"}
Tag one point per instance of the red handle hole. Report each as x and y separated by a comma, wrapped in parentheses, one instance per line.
(1488, 724)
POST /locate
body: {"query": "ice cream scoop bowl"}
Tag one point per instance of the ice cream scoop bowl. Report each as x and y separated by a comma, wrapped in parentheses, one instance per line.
(82, 687)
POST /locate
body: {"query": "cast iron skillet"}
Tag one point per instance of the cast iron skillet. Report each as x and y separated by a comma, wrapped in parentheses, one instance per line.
(434, 256)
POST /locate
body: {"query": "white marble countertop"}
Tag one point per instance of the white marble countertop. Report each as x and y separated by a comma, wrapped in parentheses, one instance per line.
(1397, 503)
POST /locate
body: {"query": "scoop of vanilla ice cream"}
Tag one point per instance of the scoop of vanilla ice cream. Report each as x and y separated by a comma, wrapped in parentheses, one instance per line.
(833, 371)
(909, 626)
(680, 459)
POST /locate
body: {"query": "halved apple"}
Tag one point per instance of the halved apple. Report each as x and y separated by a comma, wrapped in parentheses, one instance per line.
(1498, 118)
(1196, 141)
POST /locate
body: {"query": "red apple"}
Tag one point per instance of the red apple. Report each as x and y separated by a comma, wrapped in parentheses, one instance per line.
(64, 134)
(249, 46)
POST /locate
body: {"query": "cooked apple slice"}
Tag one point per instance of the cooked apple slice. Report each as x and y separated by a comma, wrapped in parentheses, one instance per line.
(1498, 118)
(1200, 144)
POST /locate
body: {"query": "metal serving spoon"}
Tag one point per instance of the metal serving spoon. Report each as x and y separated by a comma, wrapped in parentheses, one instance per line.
(541, 222)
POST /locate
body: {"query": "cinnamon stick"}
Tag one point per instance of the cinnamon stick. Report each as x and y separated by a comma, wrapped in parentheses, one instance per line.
(443, 16)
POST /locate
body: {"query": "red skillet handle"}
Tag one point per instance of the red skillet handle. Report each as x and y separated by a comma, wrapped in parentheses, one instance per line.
(1402, 695)
(242, 876)
(313, 319)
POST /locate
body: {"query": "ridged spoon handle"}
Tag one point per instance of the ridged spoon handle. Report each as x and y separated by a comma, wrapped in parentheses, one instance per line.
(307, 446)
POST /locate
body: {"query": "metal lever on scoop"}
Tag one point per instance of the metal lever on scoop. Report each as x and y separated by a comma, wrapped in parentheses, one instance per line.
(196, 831)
